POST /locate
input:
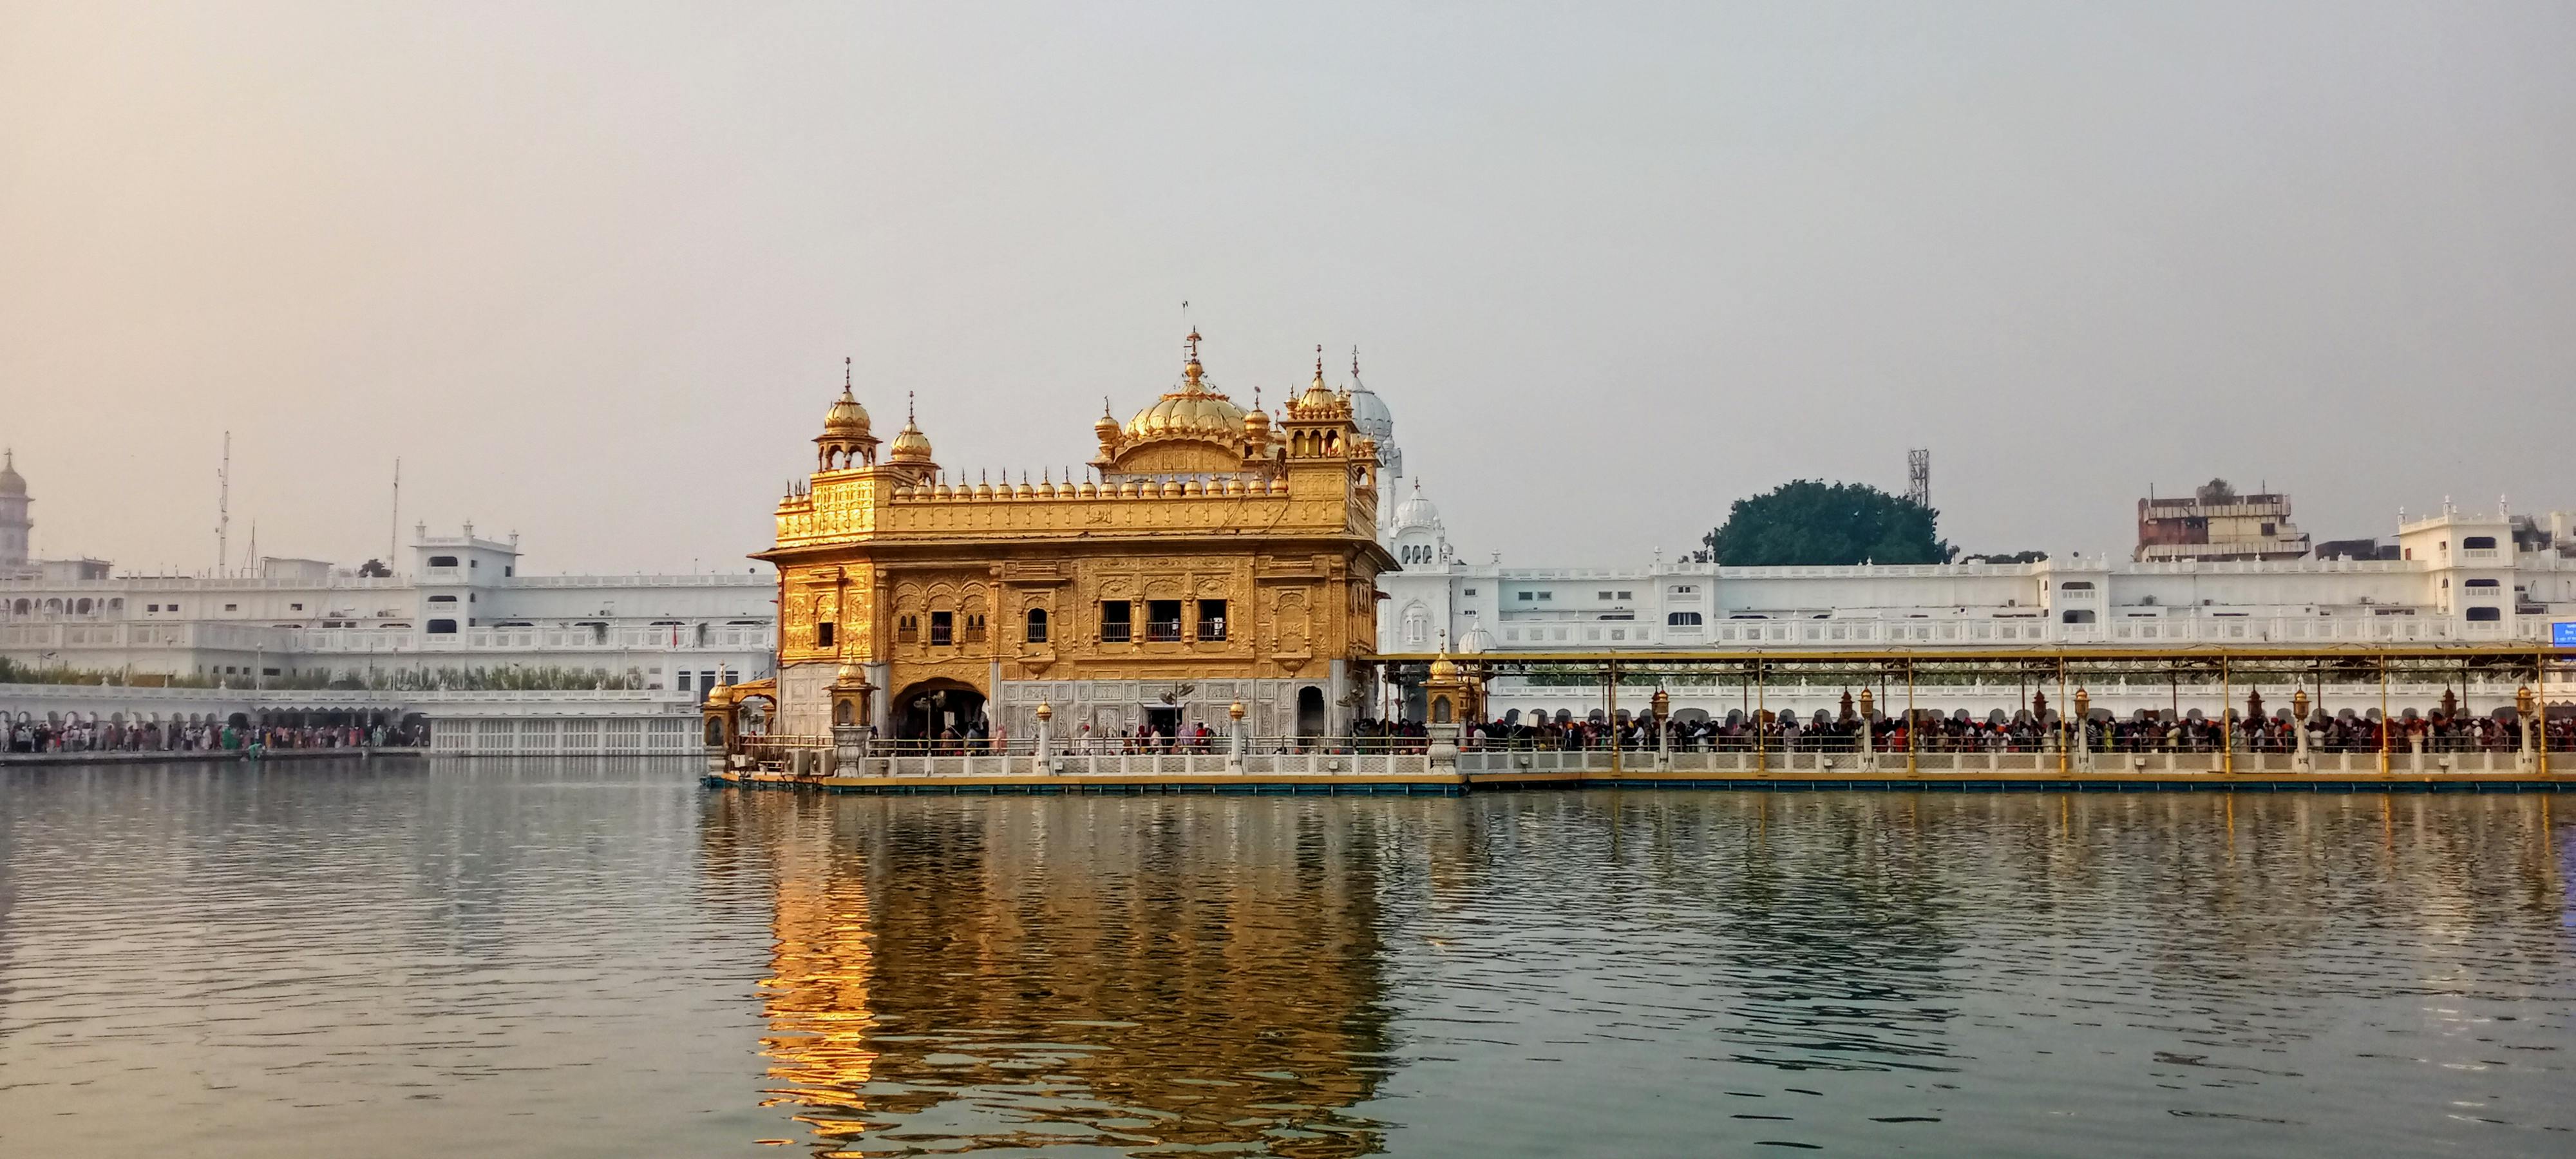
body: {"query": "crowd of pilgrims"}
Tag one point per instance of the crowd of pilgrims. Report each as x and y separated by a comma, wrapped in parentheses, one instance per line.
(1957, 732)
(155, 737)
(1926, 731)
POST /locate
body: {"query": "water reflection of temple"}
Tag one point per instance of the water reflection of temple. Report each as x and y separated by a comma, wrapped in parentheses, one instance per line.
(1111, 973)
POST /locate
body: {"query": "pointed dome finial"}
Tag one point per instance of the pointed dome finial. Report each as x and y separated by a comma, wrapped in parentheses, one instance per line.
(1191, 371)
(1355, 364)
(845, 375)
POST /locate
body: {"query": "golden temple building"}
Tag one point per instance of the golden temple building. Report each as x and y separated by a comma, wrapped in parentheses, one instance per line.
(1218, 556)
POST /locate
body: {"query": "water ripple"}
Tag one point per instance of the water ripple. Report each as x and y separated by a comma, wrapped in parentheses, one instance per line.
(589, 957)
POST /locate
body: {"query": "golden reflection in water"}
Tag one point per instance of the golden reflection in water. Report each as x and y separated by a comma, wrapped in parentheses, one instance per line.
(1119, 973)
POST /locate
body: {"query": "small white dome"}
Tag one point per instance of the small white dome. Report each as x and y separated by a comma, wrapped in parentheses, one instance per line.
(1417, 511)
(1369, 414)
(1475, 639)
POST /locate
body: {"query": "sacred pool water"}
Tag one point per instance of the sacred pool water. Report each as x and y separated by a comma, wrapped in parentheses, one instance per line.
(593, 958)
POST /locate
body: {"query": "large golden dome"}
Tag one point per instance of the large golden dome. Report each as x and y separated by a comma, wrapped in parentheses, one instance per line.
(1193, 411)
(1210, 416)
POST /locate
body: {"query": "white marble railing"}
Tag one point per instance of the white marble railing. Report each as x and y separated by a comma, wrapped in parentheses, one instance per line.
(1134, 765)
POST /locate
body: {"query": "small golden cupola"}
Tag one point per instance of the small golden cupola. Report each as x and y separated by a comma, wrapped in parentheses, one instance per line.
(910, 447)
(846, 441)
(1319, 398)
(1256, 423)
(1106, 430)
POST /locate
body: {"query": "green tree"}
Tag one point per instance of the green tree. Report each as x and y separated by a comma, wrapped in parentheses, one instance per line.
(1810, 522)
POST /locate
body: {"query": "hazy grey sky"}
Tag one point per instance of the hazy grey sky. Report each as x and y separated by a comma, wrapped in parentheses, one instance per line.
(591, 270)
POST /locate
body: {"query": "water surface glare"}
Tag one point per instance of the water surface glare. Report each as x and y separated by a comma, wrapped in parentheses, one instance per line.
(584, 957)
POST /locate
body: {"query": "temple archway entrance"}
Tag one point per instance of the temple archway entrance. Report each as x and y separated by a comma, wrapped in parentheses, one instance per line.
(935, 708)
(1310, 713)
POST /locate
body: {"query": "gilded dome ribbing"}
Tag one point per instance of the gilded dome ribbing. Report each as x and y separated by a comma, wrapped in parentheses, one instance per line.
(1193, 411)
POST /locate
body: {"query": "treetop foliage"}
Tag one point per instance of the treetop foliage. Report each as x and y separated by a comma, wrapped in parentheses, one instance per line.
(1807, 521)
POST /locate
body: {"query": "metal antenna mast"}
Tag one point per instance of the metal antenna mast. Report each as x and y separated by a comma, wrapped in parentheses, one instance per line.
(393, 530)
(1918, 477)
(224, 508)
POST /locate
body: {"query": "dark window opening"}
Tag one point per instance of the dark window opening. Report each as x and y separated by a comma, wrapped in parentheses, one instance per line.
(2479, 543)
(2480, 583)
(1681, 620)
(2483, 613)
(943, 629)
(2076, 586)
(2078, 616)
(1037, 626)
(1116, 621)
(442, 627)
(1162, 621)
(823, 634)
(442, 561)
(1211, 619)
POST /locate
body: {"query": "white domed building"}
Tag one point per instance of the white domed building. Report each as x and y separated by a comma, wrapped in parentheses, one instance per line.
(14, 523)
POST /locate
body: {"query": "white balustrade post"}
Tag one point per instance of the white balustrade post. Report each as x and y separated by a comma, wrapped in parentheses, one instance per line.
(1046, 739)
(1237, 741)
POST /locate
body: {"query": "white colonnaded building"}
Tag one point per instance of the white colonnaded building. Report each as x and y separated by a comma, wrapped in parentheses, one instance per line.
(464, 638)
(2456, 577)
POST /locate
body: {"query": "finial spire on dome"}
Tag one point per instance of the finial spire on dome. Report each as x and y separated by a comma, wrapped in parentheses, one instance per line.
(907, 408)
(845, 376)
(1355, 364)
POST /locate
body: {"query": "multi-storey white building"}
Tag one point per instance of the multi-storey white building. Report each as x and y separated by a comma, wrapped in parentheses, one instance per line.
(462, 607)
(2459, 577)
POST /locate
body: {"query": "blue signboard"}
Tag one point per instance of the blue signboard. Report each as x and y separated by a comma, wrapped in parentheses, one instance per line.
(2563, 634)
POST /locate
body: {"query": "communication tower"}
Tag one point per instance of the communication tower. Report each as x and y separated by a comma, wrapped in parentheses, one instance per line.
(1918, 477)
